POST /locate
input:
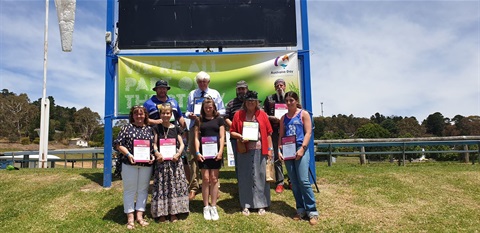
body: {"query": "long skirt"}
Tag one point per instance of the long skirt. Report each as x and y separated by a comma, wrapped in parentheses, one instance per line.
(170, 189)
(253, 189)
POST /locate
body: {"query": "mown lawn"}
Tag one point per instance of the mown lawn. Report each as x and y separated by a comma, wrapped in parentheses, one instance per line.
(380, 197)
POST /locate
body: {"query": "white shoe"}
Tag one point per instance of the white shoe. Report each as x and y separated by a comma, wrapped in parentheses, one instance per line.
(206, 213)
(214, 213)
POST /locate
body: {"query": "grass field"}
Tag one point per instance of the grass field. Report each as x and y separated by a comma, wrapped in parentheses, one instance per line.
(380, 197)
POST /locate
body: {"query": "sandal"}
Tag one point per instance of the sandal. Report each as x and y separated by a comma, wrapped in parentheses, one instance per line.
(143, 223)
(261, 211)
(162, 219)
(246, 212)
(173, 218)
(131, 225)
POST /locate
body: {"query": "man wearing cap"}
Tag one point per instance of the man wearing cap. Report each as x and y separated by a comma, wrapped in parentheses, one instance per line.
(269, 108)
(232, 107)
(203, 80)
(161, 88)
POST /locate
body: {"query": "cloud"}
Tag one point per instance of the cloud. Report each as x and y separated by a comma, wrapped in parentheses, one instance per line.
(370, 59)
(404, 58)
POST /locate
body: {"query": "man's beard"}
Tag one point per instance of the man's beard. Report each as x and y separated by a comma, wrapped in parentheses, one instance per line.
(281, 95)
(241, 96)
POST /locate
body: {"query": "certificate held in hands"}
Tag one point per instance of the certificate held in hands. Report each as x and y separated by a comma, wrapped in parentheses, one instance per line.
(168, 148)
(141, 151)
(197, 107)
(280, 110)
(250, 131)
(209, 147)
(289, 147)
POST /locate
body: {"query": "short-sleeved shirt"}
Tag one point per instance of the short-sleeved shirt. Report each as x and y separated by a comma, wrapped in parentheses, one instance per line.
(152, 107)
(211, 128)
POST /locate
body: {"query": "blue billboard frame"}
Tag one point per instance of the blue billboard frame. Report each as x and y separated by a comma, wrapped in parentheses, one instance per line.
(111, 60)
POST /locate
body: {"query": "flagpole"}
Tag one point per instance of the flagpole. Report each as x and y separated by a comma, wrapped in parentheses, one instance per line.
(45, 104)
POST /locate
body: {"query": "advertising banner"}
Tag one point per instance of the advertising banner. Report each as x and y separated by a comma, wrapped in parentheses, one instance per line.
(137, 75)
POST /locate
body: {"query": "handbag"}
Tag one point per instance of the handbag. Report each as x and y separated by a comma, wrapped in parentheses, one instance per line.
(241, 148)
(270, 171)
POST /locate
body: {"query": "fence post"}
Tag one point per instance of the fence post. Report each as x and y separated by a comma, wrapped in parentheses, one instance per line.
(404, 148)
(466, 155)
(362, 155)
(329, 155)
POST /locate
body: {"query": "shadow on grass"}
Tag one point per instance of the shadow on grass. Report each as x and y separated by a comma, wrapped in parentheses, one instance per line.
(95, 177)
(116, 215)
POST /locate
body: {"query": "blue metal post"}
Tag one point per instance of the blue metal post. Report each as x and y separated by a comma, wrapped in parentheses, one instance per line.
(306, 80)
(109, 94)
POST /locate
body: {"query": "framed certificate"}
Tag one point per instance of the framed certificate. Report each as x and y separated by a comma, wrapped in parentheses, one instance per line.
(289, 147)
(141, 150)
(250, 131)
(197, 107)
(209, 147)
(280, 110)
(168, 148)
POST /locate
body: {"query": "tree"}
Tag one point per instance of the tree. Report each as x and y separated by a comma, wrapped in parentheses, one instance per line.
(16, 113)
(409, 127)
(390, 125)
(372, 130)
(86, 121)
(435, 124)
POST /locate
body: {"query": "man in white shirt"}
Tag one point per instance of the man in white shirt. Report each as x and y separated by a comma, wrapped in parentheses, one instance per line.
(203, 80)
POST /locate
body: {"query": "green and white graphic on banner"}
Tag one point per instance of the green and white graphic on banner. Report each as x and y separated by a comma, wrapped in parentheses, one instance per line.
(137, 75)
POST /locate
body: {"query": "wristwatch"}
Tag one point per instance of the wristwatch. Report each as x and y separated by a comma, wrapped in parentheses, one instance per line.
(304, 147)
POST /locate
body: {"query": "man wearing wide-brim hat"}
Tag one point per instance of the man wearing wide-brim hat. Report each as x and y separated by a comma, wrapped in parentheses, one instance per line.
(161, 88)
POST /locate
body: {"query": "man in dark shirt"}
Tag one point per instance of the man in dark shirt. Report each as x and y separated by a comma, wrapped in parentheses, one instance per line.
(232, 107)
(269, 108)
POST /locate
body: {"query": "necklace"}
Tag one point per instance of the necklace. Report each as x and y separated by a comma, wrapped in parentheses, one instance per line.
(165, 134)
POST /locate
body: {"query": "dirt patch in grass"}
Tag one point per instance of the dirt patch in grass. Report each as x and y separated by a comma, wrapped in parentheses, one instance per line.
(95, 187)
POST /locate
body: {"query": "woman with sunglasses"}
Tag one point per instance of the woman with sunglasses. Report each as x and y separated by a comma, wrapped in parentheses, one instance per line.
(253, 189)
(296, 122)
(209, 127)
(135, 175)
(170, 187)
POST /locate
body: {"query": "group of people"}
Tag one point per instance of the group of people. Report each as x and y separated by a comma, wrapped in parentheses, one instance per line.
(177, 173)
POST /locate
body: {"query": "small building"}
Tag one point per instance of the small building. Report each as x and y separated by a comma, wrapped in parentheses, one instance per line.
(78, 142)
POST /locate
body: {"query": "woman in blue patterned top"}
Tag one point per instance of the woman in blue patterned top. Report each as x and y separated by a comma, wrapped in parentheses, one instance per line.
(297, 122)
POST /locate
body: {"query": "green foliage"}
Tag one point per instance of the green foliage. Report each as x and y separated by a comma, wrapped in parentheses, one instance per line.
(372, 130)
(434, 124)
(36, 140)
(25, 141)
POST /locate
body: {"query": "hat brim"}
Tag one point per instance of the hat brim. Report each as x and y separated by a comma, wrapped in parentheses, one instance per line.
(245, 86)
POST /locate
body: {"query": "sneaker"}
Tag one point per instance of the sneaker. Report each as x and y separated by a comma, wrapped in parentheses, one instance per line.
(279, 189)
(206, 213)
(313, 220)
(214, 213)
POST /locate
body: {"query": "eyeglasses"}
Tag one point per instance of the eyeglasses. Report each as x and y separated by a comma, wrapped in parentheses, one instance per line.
(137, 106)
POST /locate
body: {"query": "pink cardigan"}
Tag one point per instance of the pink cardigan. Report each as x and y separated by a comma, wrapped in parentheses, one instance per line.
(263, 122)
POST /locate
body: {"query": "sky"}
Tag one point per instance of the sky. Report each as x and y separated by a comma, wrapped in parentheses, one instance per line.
(397, 58)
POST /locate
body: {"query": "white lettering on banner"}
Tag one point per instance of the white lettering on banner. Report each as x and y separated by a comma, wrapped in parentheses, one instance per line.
(180, 98)
(129, 83)
(142, 85)
(133, 100)
(129, 70)
(194, 67)
(147, 68)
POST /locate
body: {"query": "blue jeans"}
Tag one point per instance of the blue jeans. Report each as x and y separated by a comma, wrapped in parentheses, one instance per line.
(301, 187)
